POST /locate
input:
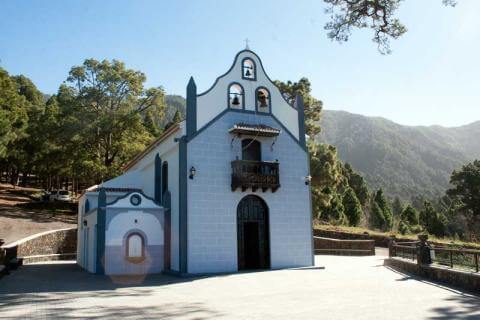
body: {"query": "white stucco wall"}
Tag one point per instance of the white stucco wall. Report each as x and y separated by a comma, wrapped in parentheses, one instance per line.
(212, 206)
(213, 101)
(91, 245)
(168, 151)
(121, 223)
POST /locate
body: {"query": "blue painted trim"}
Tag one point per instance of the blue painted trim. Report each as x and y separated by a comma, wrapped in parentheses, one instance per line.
(218, 116)
(254, 69)
(290, 134)
(165, 178)
(158, 179)
(301, 120)
(183, 206)
(133, 192)
(221, 114)
(311, 212)
(101, 220)
(269, 100)
(243, 95)
(191, 107)
(167, 231)
(233, 65)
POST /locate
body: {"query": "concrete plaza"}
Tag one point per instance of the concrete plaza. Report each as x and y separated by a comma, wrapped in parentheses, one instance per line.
(337, 288)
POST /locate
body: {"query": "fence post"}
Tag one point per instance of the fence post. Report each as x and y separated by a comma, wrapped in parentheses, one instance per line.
(476, 261)
(391, 248)
(423, 250)
(2, 251)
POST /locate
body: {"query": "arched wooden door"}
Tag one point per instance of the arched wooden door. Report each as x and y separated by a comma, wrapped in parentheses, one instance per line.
(253, 234)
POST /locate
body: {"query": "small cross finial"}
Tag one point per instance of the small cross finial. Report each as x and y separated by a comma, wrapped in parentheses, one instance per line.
(246, 44)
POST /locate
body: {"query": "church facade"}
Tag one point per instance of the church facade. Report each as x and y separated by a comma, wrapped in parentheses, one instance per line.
(225, 190)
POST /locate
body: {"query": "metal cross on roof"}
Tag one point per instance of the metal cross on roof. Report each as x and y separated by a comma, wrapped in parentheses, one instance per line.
(246, 44)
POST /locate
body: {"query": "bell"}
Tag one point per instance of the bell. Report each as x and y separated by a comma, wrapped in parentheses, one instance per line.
(235, 101)
(262, 98)
(248, 73)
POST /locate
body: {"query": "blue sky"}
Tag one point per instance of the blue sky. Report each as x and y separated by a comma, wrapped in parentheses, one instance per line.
(432, 76)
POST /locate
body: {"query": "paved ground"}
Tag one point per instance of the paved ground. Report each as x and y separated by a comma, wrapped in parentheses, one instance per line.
(347, 288)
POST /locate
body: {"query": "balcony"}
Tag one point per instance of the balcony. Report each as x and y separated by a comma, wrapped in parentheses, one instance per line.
(255, 175)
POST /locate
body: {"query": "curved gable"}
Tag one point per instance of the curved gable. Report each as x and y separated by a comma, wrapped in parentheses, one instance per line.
(214, 101)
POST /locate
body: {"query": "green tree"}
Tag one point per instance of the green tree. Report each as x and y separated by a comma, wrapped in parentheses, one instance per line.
(328, 181)
(357, 183)
(352, 207)
(335, 212)
(13, 113)
(397, 207)
(466, 187)
(377, 217)
(177, 118)
(409, 215)
(103, 103)
(29, 147)
(150, 124)
(377, 15)
(313, 107)
(433, 221)
(384, 207)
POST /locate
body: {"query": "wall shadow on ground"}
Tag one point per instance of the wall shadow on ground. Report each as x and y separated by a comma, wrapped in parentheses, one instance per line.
(470, 302)
(470, 309)
(65, 291)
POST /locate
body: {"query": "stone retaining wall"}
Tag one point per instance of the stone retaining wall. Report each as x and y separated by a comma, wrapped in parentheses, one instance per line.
(343, 247)
(380, 241)
(60, 241)
(457, 278)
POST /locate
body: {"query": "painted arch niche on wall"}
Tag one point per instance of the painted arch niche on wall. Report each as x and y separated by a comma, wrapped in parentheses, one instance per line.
(122, 223)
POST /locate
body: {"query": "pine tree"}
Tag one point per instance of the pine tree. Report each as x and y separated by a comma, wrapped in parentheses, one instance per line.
(335, 212)
(397, 207)
(177, 118)
(409, 215)
(433, 221)
(13, 113)
(378, 220)
(382, 203)
(357, 183)
(150, 125)
(352, 207)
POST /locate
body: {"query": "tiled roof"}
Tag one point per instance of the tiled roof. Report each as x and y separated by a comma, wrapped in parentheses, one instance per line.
(116, 189)
(254, 129)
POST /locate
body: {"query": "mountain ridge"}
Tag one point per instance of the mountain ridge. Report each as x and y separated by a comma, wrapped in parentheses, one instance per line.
(404, 160)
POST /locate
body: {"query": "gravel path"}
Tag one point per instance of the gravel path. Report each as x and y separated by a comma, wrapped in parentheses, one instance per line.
(346, 288)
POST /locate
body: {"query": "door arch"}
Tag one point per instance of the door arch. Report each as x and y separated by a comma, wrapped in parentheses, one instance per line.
(253, 234)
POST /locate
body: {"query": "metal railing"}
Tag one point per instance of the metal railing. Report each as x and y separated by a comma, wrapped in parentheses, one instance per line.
(405, 251)
(462, 259)
(456, 258)
(255, 175)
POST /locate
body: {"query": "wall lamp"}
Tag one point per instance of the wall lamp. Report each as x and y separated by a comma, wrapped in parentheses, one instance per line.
(308, 180)
(193, 172)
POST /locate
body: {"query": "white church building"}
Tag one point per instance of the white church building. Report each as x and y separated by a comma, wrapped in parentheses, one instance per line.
(225, 190)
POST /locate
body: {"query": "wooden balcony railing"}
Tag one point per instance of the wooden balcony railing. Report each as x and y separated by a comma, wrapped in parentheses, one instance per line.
(255, 175)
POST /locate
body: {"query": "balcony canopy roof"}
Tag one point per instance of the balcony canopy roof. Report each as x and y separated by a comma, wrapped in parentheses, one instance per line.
(261, 130)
